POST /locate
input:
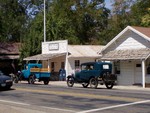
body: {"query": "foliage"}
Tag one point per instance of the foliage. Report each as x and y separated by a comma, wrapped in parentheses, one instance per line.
(12, 19)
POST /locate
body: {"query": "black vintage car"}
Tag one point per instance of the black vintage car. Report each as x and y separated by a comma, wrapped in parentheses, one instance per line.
(93, 73)
(5, 81)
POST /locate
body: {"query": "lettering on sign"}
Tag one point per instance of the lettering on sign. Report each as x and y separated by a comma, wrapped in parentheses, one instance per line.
(53, 46)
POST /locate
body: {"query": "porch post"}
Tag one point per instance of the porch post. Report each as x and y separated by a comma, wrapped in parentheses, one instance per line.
(143, 73)
(49, 65)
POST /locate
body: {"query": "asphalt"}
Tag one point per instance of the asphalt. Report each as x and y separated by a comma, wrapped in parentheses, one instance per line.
(132, 87)
(26, 109)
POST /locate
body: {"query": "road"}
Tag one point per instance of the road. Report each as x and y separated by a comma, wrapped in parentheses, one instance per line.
(27, 98)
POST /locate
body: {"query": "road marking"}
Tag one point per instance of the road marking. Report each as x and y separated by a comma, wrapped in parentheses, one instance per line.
(84, 95)
(12, 102)
(116, 106)
(58, 109)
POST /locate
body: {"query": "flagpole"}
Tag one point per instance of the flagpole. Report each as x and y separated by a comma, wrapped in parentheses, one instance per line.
(44, 24)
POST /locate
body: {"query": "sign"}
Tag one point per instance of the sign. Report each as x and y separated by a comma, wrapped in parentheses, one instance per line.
(53, 46)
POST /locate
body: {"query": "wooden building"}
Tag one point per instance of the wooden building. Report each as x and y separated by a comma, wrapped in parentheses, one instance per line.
(130, 53)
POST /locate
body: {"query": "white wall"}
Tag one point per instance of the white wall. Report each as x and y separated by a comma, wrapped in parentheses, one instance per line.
(129, 40)
(71, 63)
(126, 76)
(60, 46)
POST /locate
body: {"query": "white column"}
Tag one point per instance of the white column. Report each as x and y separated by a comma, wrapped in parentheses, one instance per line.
(49, 66)
(143, 73)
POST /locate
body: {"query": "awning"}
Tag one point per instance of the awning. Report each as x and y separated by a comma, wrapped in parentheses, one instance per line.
(133, 54)
(44, 56)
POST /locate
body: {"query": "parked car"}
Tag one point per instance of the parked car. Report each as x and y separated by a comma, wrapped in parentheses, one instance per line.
(5, 81)
(93, 73)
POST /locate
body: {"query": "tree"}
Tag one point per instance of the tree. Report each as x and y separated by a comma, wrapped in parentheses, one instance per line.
(140, 13)
(12, 20)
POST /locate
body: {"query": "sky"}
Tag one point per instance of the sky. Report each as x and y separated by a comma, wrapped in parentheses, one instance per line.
(108, 3)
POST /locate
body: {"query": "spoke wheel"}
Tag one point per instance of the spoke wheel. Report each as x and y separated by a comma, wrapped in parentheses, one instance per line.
(109, 85)
(31, 79)
(93, 83)
(46, 82)
(70, 82)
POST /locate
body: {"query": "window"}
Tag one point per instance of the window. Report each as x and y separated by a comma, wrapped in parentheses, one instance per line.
(105, 66)
(117, 67)
(52, 66)
(62, 65)
(77, 64)
(148, 66)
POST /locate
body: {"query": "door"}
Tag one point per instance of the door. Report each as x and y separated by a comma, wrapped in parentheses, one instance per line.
(138, 73)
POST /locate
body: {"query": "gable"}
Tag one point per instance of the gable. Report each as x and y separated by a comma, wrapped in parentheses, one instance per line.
(129, 40)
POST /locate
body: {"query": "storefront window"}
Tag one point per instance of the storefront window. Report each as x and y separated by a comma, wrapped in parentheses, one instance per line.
(77, 64)
(148, 66)
(117, 67)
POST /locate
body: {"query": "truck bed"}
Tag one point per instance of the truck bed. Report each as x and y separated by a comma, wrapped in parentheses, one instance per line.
(40, 70)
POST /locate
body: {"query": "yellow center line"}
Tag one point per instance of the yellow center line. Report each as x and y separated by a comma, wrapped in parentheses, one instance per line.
(83, 95)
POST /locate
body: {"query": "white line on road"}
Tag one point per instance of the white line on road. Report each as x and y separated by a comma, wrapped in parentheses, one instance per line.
(116, 106)
(12, 102)
(58, 109)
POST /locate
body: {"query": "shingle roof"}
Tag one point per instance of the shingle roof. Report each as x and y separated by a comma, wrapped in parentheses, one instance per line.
(143, 30)
(84, 50)
(127, 54)
(9, 48)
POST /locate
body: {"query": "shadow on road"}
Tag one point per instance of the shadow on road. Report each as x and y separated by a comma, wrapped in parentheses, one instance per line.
(5, 89)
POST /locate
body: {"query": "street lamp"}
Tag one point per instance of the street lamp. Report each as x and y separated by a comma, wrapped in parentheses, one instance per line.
(44, 24)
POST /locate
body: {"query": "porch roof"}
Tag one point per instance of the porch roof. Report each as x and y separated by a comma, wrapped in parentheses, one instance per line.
(44, 56)
(133, 54)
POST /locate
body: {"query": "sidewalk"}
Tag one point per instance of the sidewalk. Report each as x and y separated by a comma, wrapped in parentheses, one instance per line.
(64, 83)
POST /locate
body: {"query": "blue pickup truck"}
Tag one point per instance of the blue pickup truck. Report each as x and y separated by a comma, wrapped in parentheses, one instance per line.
(93, 73)
(34, 72)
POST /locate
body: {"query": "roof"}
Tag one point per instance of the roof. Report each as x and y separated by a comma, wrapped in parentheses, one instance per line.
(144, 30)
(127, 54)
(9, 50)
(44, 56)
(142, 53)
(84, 50)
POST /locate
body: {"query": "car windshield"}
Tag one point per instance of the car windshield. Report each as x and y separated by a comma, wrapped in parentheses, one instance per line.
(87, 67)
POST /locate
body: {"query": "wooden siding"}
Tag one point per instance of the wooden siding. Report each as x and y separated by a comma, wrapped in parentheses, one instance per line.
(126, 76)
(129, 40)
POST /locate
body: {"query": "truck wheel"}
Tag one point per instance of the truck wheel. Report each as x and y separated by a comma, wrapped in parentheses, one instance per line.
(31, 79)
(93, 83)
(109, 85)
(85, 85)
(46, 82)
(70, 82)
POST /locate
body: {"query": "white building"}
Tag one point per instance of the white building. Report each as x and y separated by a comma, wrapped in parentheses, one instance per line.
(58, 54)
(130, 53)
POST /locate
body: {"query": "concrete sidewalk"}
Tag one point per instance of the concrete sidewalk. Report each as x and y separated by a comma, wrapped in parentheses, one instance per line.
(64, 83)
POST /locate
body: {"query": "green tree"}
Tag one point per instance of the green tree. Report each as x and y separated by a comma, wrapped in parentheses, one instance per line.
(12, 20)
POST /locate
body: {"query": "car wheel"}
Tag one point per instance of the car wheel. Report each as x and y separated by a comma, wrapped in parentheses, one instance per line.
(46, 82)
(85, 85)
(31, 79)
(109, 85)
(93, 83)
(70, 82)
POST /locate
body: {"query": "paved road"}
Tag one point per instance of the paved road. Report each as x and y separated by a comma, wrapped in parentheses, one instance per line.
(25, 98)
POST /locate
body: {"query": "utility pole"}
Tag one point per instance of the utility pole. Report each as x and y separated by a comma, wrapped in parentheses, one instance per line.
(44, 23)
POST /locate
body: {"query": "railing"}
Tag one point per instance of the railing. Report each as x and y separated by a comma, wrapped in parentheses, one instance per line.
(40, 70)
